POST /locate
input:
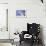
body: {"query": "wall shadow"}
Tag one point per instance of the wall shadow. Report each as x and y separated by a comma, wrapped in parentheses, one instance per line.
(41, 35)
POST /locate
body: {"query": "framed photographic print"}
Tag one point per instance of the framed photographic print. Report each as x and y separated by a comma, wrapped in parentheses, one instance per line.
(20, 13)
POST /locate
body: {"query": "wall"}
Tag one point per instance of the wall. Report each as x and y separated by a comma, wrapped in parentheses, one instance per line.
(31, 11)
(35, 12)
(3, 1)
(45, 30)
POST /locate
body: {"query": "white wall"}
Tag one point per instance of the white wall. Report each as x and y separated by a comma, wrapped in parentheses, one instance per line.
(35, 12)
(3, 1)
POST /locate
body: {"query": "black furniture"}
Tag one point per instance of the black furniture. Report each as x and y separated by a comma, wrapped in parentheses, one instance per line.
(33, 30)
